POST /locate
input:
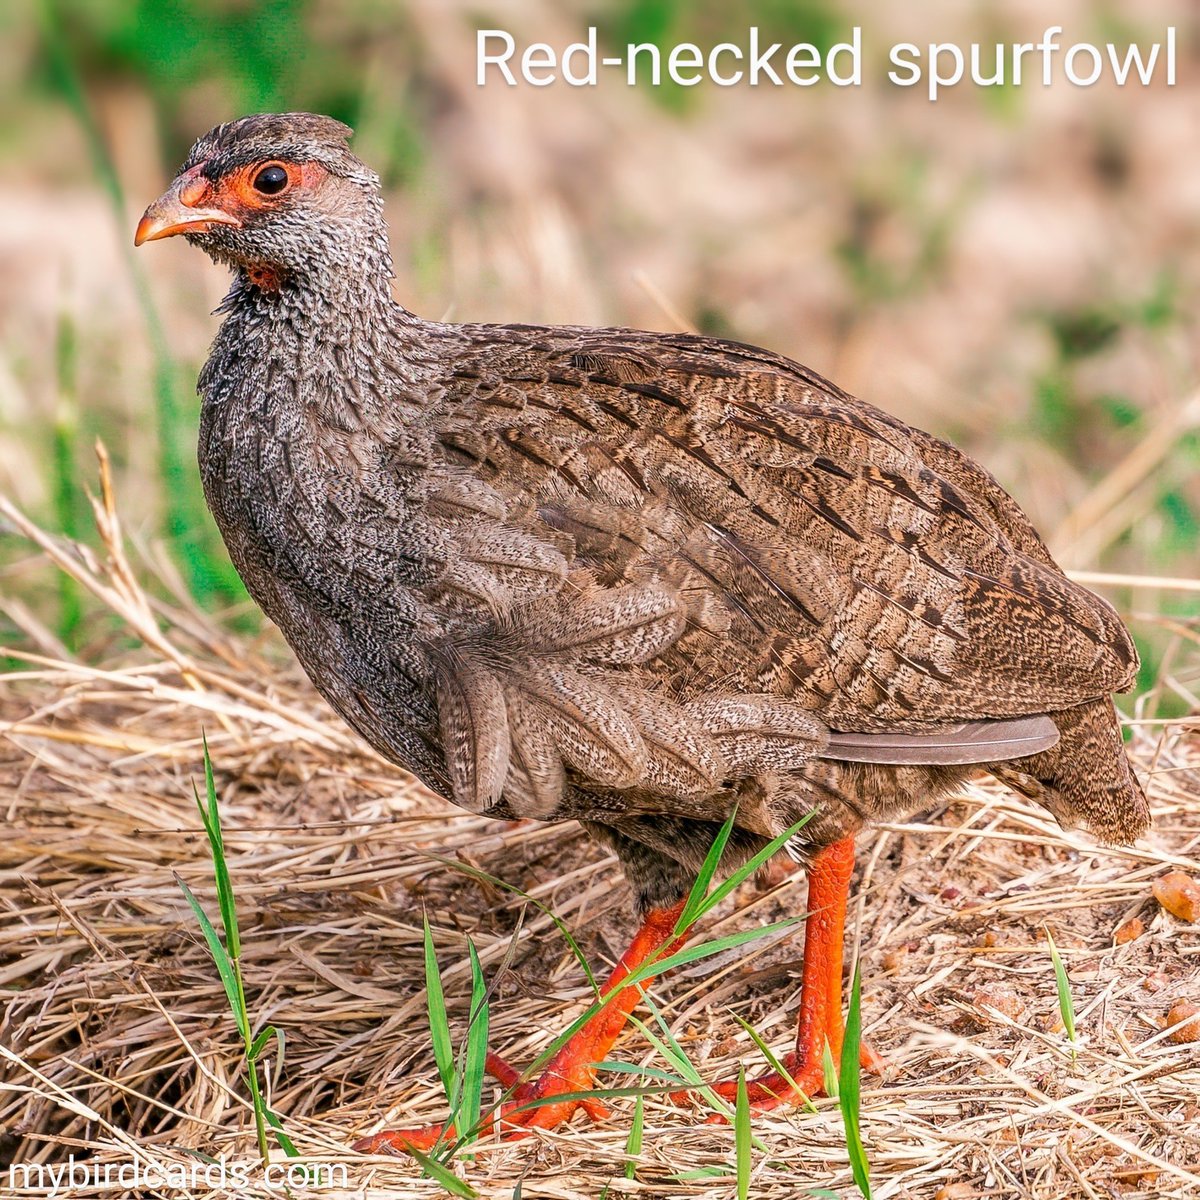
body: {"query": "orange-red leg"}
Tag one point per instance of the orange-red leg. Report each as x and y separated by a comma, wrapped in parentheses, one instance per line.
(572, 1067)
(820, 1018)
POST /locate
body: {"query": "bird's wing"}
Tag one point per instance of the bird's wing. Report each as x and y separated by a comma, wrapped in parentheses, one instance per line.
(711, 522)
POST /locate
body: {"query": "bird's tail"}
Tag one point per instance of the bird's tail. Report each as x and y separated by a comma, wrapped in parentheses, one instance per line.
(1086, 779)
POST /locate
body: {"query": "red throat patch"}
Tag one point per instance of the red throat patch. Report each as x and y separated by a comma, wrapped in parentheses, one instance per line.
(264, 277)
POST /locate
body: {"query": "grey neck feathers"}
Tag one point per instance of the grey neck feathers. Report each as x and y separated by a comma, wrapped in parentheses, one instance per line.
(352, 357)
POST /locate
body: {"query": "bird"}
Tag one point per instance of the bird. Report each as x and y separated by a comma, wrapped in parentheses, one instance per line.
(661, 584)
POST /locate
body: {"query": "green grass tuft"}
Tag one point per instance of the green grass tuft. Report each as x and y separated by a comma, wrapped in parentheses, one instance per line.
(226, 954)
(1066, 1003)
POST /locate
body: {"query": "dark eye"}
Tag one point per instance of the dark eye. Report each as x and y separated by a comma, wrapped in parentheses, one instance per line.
(271, 180)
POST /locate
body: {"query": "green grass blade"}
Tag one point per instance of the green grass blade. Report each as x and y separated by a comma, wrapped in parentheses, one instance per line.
(443, 1176)
(708, 868)
(477, 1040)
(633, 1144)
(829, 1072)
(670, 1048)
(439, 1023)
(741, 1136)
(748, 868)
(271, 1032)
(211, 816)
(263, 1037)
(226, 954)
(1066, 1002)
(776, 1063)
(848, 1090)
(281, 1056)
(641, 1072)
(219, 956)
(288, 1146)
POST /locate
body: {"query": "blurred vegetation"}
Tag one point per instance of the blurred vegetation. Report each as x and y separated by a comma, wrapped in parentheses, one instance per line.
(261, 53)
(186, 524)
(894, 228)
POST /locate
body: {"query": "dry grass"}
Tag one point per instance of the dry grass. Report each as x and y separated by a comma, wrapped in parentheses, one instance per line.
(117, 1043)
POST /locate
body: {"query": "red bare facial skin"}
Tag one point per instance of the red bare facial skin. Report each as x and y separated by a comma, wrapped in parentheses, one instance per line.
(194, 204)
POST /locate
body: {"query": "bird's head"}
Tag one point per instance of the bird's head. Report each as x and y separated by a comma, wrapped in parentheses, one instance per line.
(278, 196)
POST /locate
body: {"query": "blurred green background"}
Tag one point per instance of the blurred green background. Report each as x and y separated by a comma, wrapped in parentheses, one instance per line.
(1015, 269)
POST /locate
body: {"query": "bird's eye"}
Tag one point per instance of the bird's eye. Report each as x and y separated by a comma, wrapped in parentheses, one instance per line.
(270, 181)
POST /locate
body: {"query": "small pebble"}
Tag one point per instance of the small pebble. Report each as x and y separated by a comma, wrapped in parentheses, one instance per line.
(1003, 1000)
(1179, 894)
(1127, 931)
(955, 1191)
(1052, 1022)
(1184, 1023)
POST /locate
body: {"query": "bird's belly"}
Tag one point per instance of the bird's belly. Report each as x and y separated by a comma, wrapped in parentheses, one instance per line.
(375, 681)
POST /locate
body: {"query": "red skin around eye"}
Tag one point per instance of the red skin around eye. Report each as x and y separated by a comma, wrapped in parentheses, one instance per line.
(236, 194)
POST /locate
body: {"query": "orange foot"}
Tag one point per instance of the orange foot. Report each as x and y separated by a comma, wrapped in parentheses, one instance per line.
(571, 1070)
(517, 1116)
(805, 1080)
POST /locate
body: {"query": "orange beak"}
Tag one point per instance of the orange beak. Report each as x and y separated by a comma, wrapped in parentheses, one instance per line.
(179, 210)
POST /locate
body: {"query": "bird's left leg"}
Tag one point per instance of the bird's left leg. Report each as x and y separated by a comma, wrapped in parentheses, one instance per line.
(532, 1105)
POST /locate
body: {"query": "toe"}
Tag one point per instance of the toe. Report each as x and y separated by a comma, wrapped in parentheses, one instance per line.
(870, 1060)
(401, 1141)
(596, 1110)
